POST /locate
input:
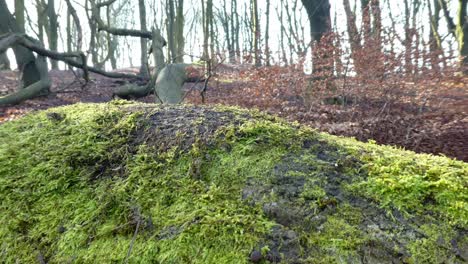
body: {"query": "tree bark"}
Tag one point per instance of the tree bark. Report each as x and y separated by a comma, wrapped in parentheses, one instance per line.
(19, 15)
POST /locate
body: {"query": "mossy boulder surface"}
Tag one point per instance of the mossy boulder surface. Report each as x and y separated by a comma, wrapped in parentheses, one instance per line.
(141, 183)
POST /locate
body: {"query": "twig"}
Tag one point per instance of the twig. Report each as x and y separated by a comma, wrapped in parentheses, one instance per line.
(133, 241)
(205, 85)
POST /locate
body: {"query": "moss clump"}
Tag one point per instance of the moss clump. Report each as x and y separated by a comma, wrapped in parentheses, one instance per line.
(156, 184)
(419, 184)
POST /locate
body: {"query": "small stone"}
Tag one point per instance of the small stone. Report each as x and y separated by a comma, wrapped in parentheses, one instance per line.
(55, 116)
(290, 235)
(256, 256)
(61, 229)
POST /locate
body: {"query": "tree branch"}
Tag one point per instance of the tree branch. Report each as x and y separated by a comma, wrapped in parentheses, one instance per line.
(65, 57)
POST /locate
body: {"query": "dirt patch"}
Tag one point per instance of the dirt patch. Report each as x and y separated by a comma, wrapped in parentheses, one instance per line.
(166, 127)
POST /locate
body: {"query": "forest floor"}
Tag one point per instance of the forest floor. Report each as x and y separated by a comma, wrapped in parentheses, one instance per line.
(423, 115)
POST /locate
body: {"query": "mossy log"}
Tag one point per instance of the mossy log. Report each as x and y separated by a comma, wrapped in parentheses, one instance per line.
(144, 183)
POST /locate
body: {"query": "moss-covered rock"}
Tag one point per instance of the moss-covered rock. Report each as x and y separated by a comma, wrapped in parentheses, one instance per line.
(118, 182)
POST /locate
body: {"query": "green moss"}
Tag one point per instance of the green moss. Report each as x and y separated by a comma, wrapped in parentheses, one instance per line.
(85, 183)
(435, 247)
(416, 184)
(62, 200)
(338, 239)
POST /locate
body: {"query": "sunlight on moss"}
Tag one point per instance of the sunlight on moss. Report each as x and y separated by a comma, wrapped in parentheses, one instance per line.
(412, 183)
(82, 184)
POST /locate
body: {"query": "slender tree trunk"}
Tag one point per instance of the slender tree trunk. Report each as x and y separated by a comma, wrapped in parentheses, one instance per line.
(376, 24)
(112, 41)
(179, 29)
(267, 34)
(92, 34)
(435, 42)
(236, 29)
(206, 35)
(211, 29)
(171, 43)
(53, 29)
(354, 37)
(226, 22)
(408, 39)
(283, 56)
(143, 42)
(256, 33)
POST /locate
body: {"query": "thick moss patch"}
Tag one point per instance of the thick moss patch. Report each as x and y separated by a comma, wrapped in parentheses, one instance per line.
(185, 184)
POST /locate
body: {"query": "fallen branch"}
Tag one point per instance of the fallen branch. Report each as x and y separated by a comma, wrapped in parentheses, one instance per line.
(24, 41)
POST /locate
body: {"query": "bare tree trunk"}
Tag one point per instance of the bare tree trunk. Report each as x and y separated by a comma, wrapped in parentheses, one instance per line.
(256, 33)
(211, 30)
(144, 71)
(226, 22)
(267, 34)
(319, 18)
(236, 29)
(19, 15)
(206, 35)
(283, 56)
(73, 27)
(435, 42)
(53, 29)
(459, 29)
(354, 37)
(366, 21)
(408, 39)
(171, 43)
(40, 9)
(179, 29)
